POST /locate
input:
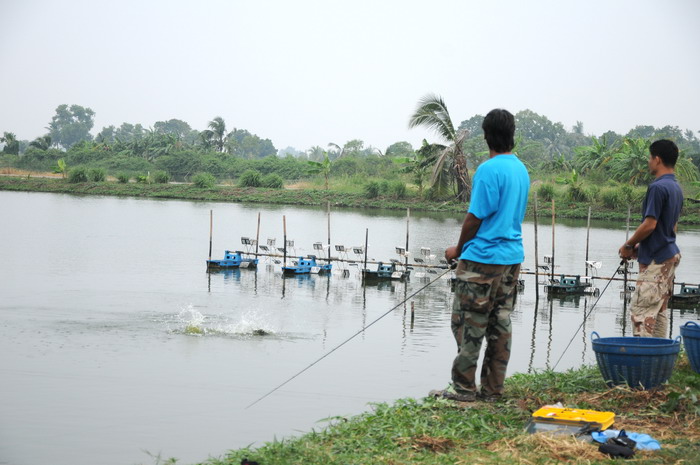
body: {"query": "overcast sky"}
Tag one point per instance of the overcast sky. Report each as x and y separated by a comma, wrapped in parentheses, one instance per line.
(309, 72)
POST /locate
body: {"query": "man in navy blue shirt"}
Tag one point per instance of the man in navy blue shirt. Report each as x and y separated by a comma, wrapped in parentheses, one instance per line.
(654, 244)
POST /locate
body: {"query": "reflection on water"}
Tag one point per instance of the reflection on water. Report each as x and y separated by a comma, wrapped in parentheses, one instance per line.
(119, 322)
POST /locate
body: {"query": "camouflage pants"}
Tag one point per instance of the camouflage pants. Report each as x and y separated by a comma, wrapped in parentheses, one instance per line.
(484, 299)
(654, 287)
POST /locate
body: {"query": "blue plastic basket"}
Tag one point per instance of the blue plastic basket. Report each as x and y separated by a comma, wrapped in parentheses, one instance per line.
(640, 362)
(691, 340)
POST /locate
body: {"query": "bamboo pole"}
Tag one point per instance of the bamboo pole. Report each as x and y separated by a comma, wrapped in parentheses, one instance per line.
(257, 236)
(284, 229)
(329, 232)
(364, 269)
(211, 229)
(588, 236)
(537, 260)
(553, 224)
(408, 216)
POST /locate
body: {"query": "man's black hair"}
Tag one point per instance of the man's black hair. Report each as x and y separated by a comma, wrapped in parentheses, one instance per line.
(666, 150)
(499, 130)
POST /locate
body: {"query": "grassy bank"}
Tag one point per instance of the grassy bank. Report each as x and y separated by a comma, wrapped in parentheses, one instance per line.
(432, 431)
(309, 196)
(221, 193)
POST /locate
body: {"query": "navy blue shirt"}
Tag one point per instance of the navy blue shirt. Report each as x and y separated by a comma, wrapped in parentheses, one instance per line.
(662, 202)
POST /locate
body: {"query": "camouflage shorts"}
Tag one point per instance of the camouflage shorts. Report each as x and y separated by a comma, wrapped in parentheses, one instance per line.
(484, 299)
(654, 287)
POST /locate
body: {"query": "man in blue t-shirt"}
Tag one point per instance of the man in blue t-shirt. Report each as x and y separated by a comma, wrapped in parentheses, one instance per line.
(490, 251)
(654, 244)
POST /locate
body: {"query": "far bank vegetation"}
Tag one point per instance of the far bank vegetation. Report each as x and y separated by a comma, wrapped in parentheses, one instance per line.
(608, 171)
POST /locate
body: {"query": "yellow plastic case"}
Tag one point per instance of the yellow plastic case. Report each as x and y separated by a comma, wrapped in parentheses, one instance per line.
(574, 417)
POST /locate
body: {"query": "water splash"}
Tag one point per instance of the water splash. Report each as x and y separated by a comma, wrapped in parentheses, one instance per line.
(192, 322)
(249, 324)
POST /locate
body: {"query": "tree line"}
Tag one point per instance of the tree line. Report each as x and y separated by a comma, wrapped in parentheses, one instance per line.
(439, 168)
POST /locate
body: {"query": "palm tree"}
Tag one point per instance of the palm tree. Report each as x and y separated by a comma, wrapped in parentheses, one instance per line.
(206, 139)
(631, 163)
(339, 152)
(432, 113)
(556, 165)
(686, 169)
(41, 143)
(217, 129)
(594, 156)
(315, 153)
(11, 143)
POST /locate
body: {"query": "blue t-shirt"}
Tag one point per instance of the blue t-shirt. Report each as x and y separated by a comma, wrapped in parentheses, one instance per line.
(663, 202)
(499, 199)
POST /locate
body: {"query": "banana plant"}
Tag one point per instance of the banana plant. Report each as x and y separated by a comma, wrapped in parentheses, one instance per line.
(322, 167)
(61, 168)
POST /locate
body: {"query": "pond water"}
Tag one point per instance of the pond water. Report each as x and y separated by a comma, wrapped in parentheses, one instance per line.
(117, 346)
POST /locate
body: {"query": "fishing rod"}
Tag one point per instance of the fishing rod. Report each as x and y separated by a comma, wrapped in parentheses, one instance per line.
(351, 337)
(588, 314)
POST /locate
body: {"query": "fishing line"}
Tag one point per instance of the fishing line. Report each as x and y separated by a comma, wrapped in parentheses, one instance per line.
(351, 337)
(588, 314)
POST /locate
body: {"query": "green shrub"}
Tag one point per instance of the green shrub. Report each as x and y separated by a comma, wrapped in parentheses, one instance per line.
(611, 197)
(250, 178)
(272, 181)
(638, 194)
(384, 187)
(204, 180)
(161, 177)
(397, 189)
(372, 190)
(123, 178)
(97, 174)
(578, 193)
(545, 192)
(627, 194)
(78, 174)
(143, 178)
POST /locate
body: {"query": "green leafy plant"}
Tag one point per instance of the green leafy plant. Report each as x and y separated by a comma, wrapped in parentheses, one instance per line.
(576, 191)
(384, 187)
(611, 197)
(97, 174)
(372, 190)
(250, 178)
(123, 178)
(397, 189)
(161, 177)
(546, 192)
(78, 174)
(60, 168)
(272, 181)
(322, 167)
(204, 180)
